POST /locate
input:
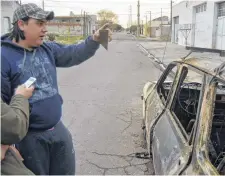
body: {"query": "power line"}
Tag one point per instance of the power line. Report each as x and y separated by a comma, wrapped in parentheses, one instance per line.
(100, 1)
(165, 12)
(133, 14)
(75, 6)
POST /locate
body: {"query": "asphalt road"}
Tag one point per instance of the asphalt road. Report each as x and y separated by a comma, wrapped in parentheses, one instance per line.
(102, 108)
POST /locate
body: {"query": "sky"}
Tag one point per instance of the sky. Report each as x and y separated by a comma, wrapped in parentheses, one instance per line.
(120, 7)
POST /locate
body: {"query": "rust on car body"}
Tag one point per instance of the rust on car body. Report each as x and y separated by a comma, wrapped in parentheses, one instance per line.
(174, 149)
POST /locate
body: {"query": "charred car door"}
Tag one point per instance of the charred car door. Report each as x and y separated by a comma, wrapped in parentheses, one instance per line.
(157, 99)
(171, 147)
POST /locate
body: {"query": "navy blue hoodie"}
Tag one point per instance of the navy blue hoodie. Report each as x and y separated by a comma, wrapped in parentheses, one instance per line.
(19, 64)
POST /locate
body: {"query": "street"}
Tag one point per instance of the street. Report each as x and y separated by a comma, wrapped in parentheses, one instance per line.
(103, 109)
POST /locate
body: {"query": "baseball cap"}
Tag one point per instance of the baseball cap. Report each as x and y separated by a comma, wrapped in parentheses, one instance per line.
(33, 11)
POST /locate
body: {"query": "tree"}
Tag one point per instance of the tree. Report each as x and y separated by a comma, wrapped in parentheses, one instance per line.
(116, 27)
(133, 28)
(106, 16)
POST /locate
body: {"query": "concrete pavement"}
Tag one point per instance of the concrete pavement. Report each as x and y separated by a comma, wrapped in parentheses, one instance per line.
(102, 108)
(165, 52)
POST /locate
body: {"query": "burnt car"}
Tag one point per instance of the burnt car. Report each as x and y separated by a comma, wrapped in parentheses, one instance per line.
(184, 118)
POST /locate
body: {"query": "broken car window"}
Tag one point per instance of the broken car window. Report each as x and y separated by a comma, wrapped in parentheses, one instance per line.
(187, 97)
(165, 86)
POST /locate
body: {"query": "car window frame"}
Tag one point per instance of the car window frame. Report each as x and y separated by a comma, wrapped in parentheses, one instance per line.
(188, 138)
(204, 135)
(201, 135)
(163, 78)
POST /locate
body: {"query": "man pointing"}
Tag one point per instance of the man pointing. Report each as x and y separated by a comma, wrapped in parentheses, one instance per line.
(47, 148)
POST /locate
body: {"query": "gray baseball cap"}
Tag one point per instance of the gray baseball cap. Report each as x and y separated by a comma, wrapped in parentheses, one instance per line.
(33, 11)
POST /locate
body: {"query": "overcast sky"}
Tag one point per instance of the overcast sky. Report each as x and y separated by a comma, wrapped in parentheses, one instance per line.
(120, 7)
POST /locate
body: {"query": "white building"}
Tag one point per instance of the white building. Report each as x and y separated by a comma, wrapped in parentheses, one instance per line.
(73, 24)
(199, 24)
(7, 9)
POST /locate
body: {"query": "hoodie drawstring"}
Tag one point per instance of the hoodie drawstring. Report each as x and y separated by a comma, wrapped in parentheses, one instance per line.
(25, 57)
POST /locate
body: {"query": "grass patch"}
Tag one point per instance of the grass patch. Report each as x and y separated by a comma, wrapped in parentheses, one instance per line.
(69, 39)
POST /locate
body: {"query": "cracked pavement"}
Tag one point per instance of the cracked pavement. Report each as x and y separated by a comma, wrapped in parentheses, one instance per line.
(102, 109)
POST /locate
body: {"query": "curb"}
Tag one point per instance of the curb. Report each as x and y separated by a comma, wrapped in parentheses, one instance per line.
(147, 39)
(152, 57)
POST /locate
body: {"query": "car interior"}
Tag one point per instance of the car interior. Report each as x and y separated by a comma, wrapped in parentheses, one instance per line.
(217, 137)
(185, 108)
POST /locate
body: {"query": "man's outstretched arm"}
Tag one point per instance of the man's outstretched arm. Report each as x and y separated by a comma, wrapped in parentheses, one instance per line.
(70, 55)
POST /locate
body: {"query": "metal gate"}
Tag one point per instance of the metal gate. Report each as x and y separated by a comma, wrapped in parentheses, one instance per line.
(220, 38)
(176, 29)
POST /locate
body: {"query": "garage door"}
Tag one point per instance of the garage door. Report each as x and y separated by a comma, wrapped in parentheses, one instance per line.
(220, 38)
(200, 27)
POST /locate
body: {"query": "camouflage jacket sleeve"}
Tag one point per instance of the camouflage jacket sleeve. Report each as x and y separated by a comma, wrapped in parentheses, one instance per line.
(14, 120)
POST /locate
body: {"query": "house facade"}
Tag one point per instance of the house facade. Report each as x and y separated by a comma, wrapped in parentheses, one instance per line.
(7, 9)
(73, 24)
(199, 24)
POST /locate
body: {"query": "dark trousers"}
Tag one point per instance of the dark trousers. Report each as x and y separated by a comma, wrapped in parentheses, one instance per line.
(49, 152)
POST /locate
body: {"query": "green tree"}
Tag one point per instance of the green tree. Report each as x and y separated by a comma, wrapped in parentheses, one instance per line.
(133, 28)
(116, 27)
(106, 16)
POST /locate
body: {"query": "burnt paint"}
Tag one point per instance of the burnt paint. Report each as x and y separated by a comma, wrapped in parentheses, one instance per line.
(154, 108)
(170, 150)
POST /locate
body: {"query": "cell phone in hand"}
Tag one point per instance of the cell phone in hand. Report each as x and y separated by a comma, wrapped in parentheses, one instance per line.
(30, 82)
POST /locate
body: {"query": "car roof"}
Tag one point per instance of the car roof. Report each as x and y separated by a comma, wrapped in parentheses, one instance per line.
(207, 65)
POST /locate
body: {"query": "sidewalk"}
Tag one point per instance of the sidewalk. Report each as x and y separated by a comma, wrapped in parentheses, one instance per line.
(155, 50)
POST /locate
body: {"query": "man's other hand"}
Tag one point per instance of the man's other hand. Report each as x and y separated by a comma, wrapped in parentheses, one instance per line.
(26, 92)
(96, 36)
(4, 149)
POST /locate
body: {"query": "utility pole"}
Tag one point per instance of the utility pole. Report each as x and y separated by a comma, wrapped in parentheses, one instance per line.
(161, 24)
(146, 20)
(138, 18)
(150, 22)
(128, 22)
(86, 23)
(171, 16)
(145, 27)
(81, 16)
(84, 26)
(43, 4)
(130, 16)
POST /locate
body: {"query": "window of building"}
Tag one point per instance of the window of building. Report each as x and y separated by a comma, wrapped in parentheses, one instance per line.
(201, 8)
(221, 9)
(204, 7)
(6, 24)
